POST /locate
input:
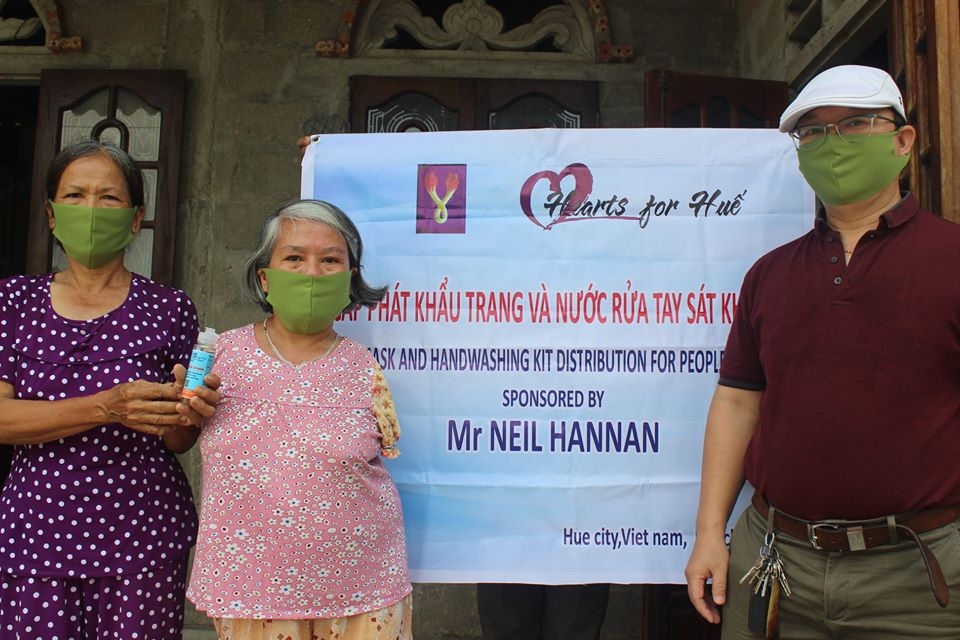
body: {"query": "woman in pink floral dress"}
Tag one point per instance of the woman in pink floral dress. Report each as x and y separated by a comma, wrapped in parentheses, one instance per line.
(301, 528)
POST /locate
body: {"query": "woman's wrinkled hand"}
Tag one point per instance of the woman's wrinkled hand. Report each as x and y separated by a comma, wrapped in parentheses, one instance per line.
(155, 408)
(148, 407)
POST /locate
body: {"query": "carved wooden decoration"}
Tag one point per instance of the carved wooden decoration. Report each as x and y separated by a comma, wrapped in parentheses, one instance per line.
(577, 28)
(48, 16)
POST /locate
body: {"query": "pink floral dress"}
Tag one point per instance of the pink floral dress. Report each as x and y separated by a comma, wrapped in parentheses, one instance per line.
(299, 518)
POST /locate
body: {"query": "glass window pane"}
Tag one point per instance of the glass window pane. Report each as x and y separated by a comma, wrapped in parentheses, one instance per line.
(139, 258)
(58, 261)
(150, 193)
(143, 123)
(533, 112)
(411, 112)
(687, 116)
(79, 121)
(718, 113)
(112, 135)
(749, 120)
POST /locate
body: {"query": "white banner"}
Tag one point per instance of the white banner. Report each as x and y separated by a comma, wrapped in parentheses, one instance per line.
(558, 305)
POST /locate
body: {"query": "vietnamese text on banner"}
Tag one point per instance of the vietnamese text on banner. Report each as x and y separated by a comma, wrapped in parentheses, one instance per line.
(558, 305)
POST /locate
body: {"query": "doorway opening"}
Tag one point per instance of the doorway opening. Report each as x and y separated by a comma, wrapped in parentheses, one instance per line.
(18, 131)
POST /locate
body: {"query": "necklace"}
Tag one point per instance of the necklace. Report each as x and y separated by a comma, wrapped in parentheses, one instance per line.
(266, 334)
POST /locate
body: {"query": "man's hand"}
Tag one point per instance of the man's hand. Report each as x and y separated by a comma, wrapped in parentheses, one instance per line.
(303, 143)
(709, 561)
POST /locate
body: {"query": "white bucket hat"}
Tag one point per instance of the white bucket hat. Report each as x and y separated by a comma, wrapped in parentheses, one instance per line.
(845, 86)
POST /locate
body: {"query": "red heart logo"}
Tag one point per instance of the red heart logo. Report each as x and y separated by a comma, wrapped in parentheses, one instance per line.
(583, 186)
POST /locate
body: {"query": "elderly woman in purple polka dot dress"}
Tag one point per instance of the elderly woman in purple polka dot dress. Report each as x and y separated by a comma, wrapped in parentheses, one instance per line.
(301, 528)
(96, 516)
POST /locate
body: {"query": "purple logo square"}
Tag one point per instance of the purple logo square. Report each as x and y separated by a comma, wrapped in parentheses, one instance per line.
(442, 198)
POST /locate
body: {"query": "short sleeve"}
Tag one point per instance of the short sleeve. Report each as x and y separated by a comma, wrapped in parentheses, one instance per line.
(741, 366)
(185, 335)
(386, 414)
(178, 324)
(8, 324)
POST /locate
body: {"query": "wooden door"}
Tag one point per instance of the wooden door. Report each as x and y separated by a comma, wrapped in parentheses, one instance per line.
(690, 100)
(388, 104)
(140, 111)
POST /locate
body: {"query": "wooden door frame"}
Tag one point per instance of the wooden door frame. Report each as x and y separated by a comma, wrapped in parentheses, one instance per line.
(925, 60)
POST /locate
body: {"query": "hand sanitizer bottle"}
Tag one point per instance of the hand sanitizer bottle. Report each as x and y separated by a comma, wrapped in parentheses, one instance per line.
(201, 363)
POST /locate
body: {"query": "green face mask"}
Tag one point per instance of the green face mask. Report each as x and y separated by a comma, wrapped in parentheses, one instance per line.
(92, 236)
(846, 172)
(307, 304)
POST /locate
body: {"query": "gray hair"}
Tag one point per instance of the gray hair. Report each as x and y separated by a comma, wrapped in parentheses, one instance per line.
(361, 293)
(132, 175)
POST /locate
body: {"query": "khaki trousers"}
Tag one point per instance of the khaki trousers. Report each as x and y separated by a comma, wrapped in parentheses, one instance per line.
(878, 594)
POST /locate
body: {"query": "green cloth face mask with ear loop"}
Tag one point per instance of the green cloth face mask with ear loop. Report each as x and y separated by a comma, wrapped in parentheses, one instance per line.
(307, 304)
(844, 172)
(93, 236)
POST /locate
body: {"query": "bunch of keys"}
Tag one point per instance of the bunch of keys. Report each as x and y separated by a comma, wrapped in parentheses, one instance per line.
(767, 568)
(768, 579)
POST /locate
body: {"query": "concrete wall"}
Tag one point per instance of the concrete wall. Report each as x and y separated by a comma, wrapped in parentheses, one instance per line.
(255, 85)
(766, 49)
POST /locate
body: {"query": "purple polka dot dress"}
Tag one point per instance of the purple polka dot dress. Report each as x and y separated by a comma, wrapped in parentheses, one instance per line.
(110, 500)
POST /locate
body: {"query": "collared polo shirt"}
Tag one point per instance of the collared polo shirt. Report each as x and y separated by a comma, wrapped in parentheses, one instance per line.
(859, 365)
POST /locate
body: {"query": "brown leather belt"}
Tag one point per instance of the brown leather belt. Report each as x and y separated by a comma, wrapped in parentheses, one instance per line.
(859, 535)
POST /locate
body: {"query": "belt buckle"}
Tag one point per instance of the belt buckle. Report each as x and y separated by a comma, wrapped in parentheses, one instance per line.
(814, 527)
(855, 539)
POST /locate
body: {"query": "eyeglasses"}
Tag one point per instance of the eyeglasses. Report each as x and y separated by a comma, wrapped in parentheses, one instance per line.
(850, 129)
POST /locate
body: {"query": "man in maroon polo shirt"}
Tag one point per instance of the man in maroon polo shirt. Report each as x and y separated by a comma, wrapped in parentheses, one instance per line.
(839, 400)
